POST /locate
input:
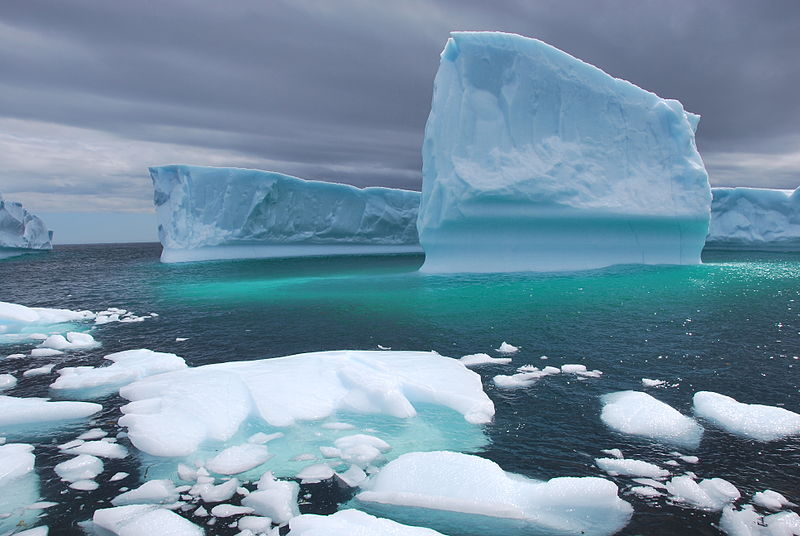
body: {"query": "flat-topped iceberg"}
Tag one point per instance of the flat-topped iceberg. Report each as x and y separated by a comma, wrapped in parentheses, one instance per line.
(535, 160)
(450, 489)
(20, 231)
(222, 213)
(755, 218)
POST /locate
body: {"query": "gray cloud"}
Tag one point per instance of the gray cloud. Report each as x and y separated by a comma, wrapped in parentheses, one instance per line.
(340, 90)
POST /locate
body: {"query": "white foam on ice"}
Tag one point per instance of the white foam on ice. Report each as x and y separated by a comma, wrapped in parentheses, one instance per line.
(629, 467)
(352, 523)
(755, 219)
(27, 412)
(221, 213)
(637, 413)
(753, 421)
(442, 488)
(126, 367)
(535, 160)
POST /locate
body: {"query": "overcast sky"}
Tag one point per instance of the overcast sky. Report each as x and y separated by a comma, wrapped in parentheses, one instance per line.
(94, 91)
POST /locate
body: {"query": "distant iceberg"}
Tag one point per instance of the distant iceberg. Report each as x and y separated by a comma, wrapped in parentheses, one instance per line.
(209, 213)
(20, 231)
(755, 218)
(536, 161)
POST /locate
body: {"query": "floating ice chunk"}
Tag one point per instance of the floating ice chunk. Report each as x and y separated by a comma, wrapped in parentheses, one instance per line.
(315, 473)
(144, 520)
(103, 449)
(580, 370)
(527, 376)
(474, 360)
(126, 367)
(753, 421)
(171, 414)
(783, 524)
(16, 411)
(14, 314)
(7, 381)
(45, 352)
(424, 485)
(228, 510)
(84, 485)
(337, 426)
(222, 492)
(73, 341)
(259, 438)
(772, 500)
(186, 473)
(354, 476)
(746, 522)
(615, 453)
(710, 494)
(646, 491)
(151, 492)
(350, 523)
(637, 413)
(238, 459)
(82, 467)
(15, 356)
(39, 371)
(275, 499)
(647, 382)
(217, 213)
(755, 219)
(118, 476)
(16, 461)
(614, 467)
(361, 449)
(255, 524)
(650, 483)
(690, 459)
(506, 348)
(535, 160)
(94, 433)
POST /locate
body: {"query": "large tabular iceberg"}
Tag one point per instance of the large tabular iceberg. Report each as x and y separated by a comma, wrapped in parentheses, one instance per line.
(20, 231)
(221, 213)
(755, 218)
(535, 160)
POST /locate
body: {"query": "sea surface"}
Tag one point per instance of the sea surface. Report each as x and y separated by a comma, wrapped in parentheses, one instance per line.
(730, 325)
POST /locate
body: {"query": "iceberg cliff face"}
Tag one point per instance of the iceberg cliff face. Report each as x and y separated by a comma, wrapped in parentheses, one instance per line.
(755, 218)
(220, 213)
(20, 231)
(535, 160)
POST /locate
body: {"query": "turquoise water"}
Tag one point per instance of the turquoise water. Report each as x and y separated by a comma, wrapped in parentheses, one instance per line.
(730, 325)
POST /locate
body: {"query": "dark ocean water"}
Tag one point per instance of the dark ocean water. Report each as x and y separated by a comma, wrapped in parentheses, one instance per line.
(730, 325)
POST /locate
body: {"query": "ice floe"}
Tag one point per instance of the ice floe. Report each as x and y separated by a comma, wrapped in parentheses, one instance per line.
(7, 381)
(753, 421)
(238, 459)
(24, 412)
(638, 468)
(710, 494)
(440, 489)
(276, 499)
(637, 413)
(506, 348)
(144, 520)
(747, 522)
(352, 523)
(474, 360)
(19, 486)
(151, 492)
(73, 341)
(771, 500)
(103, 449)
(82, 467)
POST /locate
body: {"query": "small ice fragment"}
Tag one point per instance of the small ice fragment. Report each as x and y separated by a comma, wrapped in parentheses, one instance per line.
(771, 500)
(260, 437)
(16, 411)
(354, 476)
(83, 467)
(506, 348)
(615, 453)
(15, 356)
(102, 449)
(219, 493)
(384, 347)
(7, 381)
(94, 433)
(629, 467)
(118, 476)
(305, 457)
(255, 524)
(573, 369)
(186, 473)
(45, 352)
(753, 421)
(647, 382)
(39, 371)
(361, 449)
(337, 426)
(84, 485)
(70, 444)
(238, 459)
(650, 483)
(151, 492)
(38, 531)
(672, 463)
(711, 494)
(181, 339)
(41, 505)
(690, 459)
(201, 512)
(228, 510)
(274, 499)
(315, 473)
(474, 360)
(646, 491)
(330, 452)
(73, 341)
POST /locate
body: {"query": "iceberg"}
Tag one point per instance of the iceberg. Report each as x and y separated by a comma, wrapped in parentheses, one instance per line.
(754, 219)
(448, 489)
(536, 161)
(20, 231)
(207, 213)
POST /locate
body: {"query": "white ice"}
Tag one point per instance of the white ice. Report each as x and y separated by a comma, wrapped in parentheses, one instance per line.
(506, 348)
(629, 467)
(475, 494)
(82, 467)
(7, 381)
(772, 500)
(103, 449)
(276, 499)
(20, 231)
(710, 494)
(637, 413)
(25, 412)
(19, 487)
(217, 213)
(352, 523)
(747, 522)
(474, 360)
(238, 459)
(535, 160)
(151, 492)
(144, 520)
(73, 341)
(753, 421)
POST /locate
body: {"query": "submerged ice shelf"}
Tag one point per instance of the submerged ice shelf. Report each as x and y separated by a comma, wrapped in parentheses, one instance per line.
(755, 219)
(209, 213)
(535, 160)
(20, 231)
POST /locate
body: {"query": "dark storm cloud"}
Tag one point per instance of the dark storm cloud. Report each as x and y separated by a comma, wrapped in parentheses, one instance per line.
(340, 90)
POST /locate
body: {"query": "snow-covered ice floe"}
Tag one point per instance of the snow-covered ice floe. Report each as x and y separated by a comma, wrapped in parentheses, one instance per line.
(755, 219)
(747, 522)
(19, 486)
(352, 523)
(711, 494)
(198, 413)
(446, 489)
(126, 367)
(535, 160)
(209, 213)
(753, 421)
(21, 413)
(20, 231)
(637, 413)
